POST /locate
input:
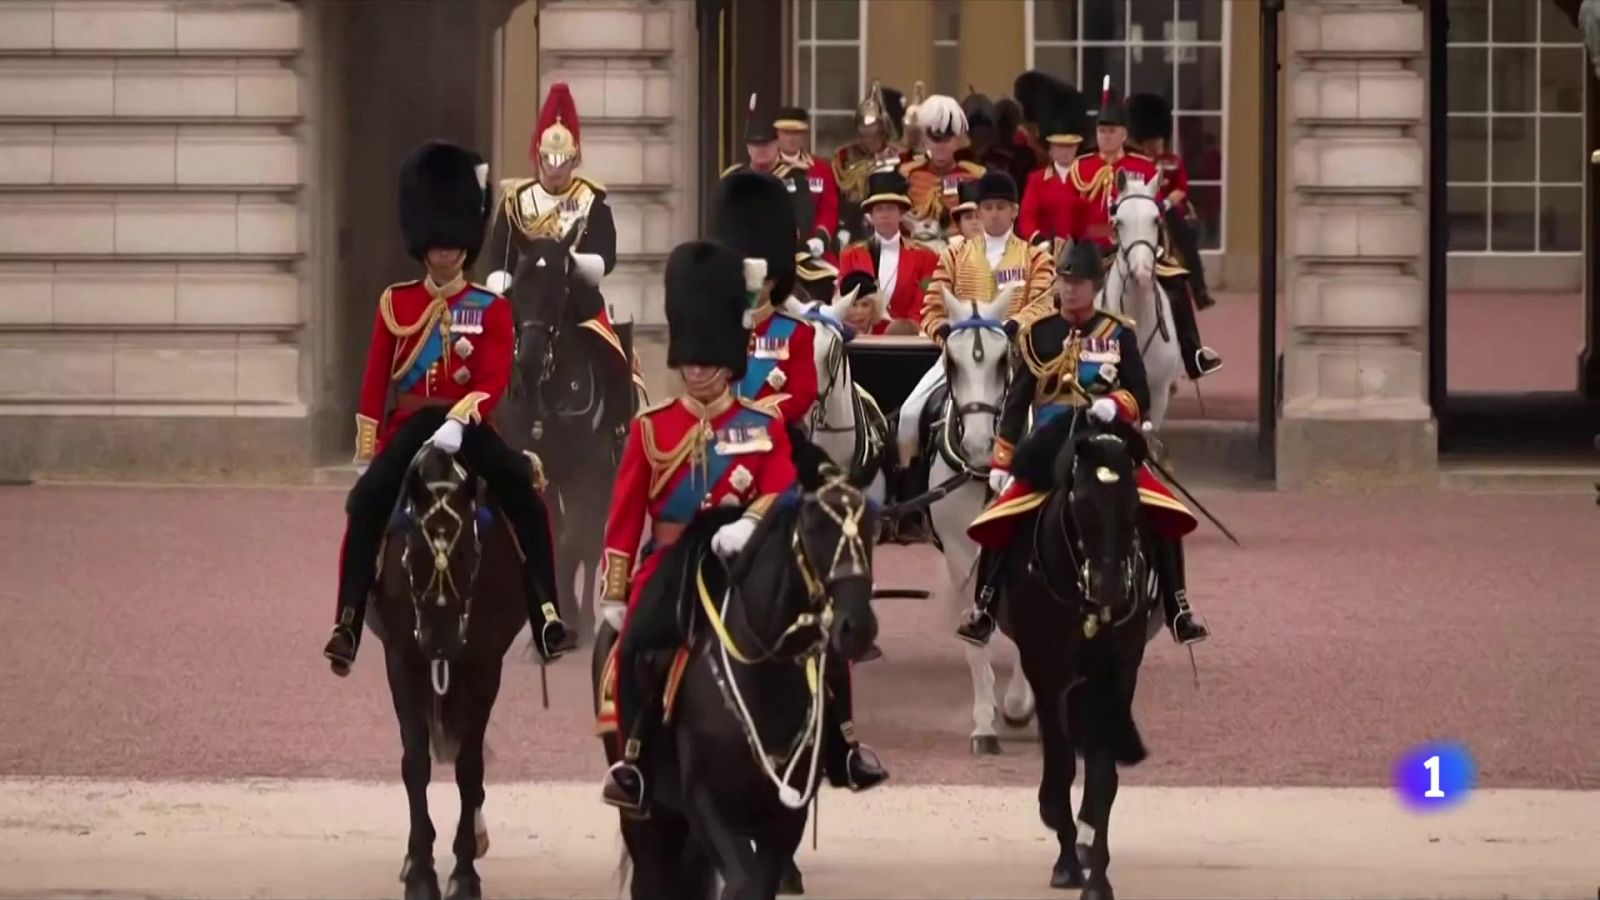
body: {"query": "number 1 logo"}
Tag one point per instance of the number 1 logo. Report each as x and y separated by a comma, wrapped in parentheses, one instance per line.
(1435, 776)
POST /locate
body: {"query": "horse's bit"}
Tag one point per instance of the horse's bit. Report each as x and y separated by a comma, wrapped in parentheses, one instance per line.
(441, 578)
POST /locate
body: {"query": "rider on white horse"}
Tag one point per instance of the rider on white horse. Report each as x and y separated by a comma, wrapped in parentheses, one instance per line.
(976, 271)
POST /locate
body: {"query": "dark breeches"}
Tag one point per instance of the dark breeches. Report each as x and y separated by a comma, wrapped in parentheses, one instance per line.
(652, 633)
(1183, 234)
(371, 503)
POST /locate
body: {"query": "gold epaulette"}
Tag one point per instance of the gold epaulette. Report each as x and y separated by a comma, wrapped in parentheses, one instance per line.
(654, 408)
(756, 406)
(1124, 321)
(731, 169)
(972, 167)
(598, 188)
(906, 168)
(1139, 156)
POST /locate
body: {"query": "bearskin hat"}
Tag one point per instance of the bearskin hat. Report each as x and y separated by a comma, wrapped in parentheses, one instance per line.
(705, 301)
(1149, 116)
(1032, 90)
(755, 217)
(1054, 105)
(444, 200)
(980, 111)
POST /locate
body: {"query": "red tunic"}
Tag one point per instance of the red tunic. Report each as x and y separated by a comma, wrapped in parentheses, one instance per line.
(931, 190)
(914, 269)
(1174, 181)
(824, 187)
(1050, 206)
(782, 372)
(682, 457)
(1094, 180)
(455, 344)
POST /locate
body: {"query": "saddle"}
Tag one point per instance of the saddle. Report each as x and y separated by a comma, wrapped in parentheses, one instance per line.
(606, 719)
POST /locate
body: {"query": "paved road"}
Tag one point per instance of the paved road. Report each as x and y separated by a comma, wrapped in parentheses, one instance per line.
(337, 839)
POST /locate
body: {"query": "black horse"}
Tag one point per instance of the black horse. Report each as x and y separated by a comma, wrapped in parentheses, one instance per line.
(799, 601)
(571, 398)
(1077, 599)
(448, 606)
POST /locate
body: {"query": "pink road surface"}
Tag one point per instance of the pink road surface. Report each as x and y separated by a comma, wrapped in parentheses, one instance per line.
(1549, 337)
(175, 633)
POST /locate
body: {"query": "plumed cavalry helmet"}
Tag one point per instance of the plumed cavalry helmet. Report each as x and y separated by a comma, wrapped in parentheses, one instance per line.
(706, 301)
(555, 139)
(1080, 259)
(444, 200)
(755, 218)
(1149, 116)
(879, 108)
(919, 95)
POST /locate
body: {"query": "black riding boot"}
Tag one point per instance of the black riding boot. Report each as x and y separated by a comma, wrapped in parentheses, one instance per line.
(848, 762)
(1198, 359)
(1188, 242)
(357, 563)
(640, 712)
(1186, 627)
(979, 625)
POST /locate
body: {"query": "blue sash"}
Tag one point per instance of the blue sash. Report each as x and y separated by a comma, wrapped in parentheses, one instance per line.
(1045, 412)
(474, 303)
(685, 498)
(757, 370)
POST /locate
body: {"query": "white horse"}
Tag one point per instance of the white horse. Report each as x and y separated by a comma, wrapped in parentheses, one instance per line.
(845, 422)
(1132, 290)
(976, 362)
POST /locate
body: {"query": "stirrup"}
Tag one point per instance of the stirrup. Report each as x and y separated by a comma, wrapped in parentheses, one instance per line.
(977, 629)
(1200, 361)
(614, 793)
(341, 659)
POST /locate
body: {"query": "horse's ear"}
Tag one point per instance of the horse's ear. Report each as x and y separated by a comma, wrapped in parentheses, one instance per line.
(1155, 184)
(996, 308)
(952, 303)
(843, 302)
(1122, 181)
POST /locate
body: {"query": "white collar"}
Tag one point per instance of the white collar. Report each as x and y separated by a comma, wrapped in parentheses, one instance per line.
(888, 241)
(994, 241)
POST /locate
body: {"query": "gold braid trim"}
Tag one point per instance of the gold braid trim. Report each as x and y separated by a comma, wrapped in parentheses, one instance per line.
(664, 463)
(759, 506)
(1096, 187)
(437, 310)
(1055, 376)
(466, 409)
(366, 437)
(1003, 452)
(618, 566)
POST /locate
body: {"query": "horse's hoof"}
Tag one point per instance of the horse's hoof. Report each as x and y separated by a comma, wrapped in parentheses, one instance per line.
(421, 881)
(791, 884)
(464, 887)
(985, 745)
(1098, 891)
(1066, 876)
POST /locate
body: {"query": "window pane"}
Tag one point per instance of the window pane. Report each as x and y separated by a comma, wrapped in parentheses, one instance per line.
(1468, 148)
(1513, 79)
(1561, 79)
(1062, 62)
(1205, 15)
(830, 132)
(1099, 62)
(1468, 225)
(1207, 202)
(1200, 142)
(1560, 219)
(838, 78)
(1152, 70)
(946, 20)
(803, 29)
(1055, 20)
(1556, 28)
(1512, 137)
(947, 69)
(802, 81)
(1561, 152)
(1200, 81)
(1469, 21)
(1105, 20)
(1152, 20)
(1512, 223)
(838, 20)
(1511, 21)
(1469, 79)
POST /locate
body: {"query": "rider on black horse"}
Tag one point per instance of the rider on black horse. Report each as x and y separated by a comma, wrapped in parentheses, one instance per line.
(1084, 361)
(706, 448)
(440, 358)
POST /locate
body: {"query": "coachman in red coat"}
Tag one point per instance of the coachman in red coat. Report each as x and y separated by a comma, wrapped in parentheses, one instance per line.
(899, 266)
(439, 362)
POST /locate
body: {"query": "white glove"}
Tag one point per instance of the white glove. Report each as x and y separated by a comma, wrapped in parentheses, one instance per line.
(999, 480)
(844, 236)
(815, 246)
(732, 537)
(448, 437)
(499, 281)
(1103, 410)
(591, 268)
(612, 614)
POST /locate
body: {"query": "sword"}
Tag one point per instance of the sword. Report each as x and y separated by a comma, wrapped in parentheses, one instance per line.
(1178, 486)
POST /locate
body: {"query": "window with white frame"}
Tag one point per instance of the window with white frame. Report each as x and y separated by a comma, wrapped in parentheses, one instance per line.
(1516, 142)
(829, 81)
(1175, 48)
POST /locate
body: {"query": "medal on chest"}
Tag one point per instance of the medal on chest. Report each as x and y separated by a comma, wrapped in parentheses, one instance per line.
(466, 320)
(771, 348)
(737, 439)
(816, 184)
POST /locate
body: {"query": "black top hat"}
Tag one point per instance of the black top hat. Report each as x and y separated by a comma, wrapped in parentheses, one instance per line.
(1149, 116)
(758, 128)
(967, 199)
(754, 217)
(444, 200)
(792, 118)
(1080, 259)
(996, 185)
(706, 300)
(1060, 109)
(887, 187)
(1111, 110)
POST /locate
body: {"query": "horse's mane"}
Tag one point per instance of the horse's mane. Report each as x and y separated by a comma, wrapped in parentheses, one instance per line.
(1035, 459)
(583, 300)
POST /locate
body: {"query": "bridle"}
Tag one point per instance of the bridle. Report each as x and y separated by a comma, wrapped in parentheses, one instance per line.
(846, 507)
(953, 429)
(1124, 263)
(438, 580)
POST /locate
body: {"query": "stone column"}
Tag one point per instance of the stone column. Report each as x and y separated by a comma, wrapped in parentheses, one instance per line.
(1354, 403)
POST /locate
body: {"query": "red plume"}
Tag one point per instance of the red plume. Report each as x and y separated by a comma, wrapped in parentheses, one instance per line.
(558, 106)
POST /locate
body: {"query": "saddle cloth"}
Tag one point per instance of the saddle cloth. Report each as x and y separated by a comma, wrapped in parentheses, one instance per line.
(606, 721)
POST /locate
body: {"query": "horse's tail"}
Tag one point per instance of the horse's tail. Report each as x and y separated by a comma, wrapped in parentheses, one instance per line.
(445, 727)
(624, 862)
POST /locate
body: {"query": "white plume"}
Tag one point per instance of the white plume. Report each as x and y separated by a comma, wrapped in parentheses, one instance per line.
(941, 113)
(482, 171)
